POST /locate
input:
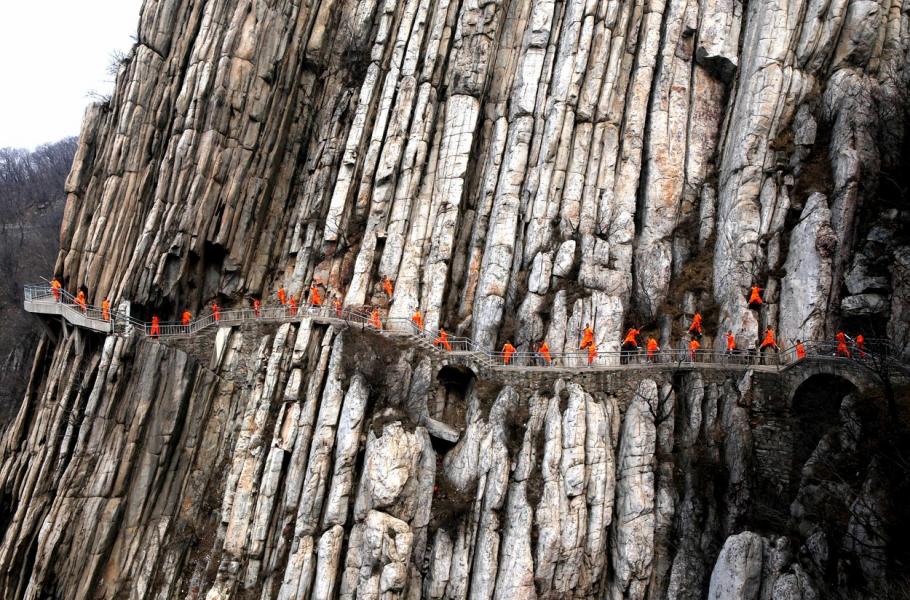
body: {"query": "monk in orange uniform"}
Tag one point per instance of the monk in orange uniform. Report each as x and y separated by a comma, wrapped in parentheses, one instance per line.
(417, 320)
(257, 307)
(694, 345)
(769, 341)
(507, 351)
(55, 288)
(155, 329)
(695, 327)
(652, 349)
(587, 338)
(80, 300)
(374, 319)
(216, 312)
(292, 306)
(800, 350)
(337, 304)
(185, 318)
(631, 340)
(106, 309)
(755, 297)
(315, 298)
(544, 351)
(861, 345)
(842, 349)
(282, 296)
(443, 340)
(592, 353)
(387, 287)
(731, 342)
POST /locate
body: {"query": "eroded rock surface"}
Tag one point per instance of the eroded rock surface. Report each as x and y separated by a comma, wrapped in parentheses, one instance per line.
(519, 170)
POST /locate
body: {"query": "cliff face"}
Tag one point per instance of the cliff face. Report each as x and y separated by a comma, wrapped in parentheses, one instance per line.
(518, 169)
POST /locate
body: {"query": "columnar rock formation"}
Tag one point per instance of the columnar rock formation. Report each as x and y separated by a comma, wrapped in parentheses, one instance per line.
(518, 169)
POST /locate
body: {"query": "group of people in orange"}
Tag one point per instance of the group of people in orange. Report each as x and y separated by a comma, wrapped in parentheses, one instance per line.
(630, 342)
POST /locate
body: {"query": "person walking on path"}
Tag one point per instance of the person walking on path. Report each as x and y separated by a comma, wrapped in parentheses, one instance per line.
(443, 340)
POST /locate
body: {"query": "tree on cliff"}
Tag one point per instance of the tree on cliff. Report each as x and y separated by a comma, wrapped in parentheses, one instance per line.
(31, 208)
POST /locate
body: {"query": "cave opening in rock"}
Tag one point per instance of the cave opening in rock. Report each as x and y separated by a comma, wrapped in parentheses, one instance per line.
(816, 410)
(450, 402)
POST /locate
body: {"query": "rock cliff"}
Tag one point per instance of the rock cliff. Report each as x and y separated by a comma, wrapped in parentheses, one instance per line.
(518, 170)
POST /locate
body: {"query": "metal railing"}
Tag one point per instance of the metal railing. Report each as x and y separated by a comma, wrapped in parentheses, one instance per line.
(37, 296)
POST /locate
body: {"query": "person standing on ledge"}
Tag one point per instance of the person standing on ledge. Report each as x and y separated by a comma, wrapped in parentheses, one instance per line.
(842, 349)
(315, 298)
(731, 343)
(769, 341)
(544, 351)
(282, 296)
(156, 327)
(374, 319)
(587, 338)
(106, 309)
(507, 351)
(417, 320)
(800, 350)
(55, 288)
(216, 312)
(257, 307)
(80, 300)
(652, 349)
(694, 345)
(592, 353)
(292, 306)
(443, 340)
(185, 319)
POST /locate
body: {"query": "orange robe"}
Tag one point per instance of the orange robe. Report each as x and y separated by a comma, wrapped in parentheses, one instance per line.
(417, 320)
(374, 319)
(545, 352)
(443, 340)
(106, 309)
(507, 351)
(156, 328)
(185, 318)
(587, 338)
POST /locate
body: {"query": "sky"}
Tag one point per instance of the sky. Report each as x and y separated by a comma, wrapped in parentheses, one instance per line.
(54, 53)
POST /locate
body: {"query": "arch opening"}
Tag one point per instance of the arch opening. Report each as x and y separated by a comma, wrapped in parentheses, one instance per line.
(449, 404)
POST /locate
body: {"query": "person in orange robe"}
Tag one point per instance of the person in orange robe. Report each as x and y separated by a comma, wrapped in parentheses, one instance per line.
(55, 288)
(417, 320)
(694, 345)
(652, 349)
(315, 298)
(443, 340)
(185, 318)
(592, 353)
(282, 296)
(755, 297)
(769, 341)
(800, 350)
(292, 306)
(631, 339)
(257, 307)
(337, 304)
(507, 351)
(80, 300)
(842, 349)
(731, 342)
(374, 319)
(106, 309)
(544, 351)
(587, 338)
(860, 345)
(216, 312)
(695, 327)
(156, 327)
(387, 287)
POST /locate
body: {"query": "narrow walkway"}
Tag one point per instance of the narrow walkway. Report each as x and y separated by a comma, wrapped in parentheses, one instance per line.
(39, 299)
